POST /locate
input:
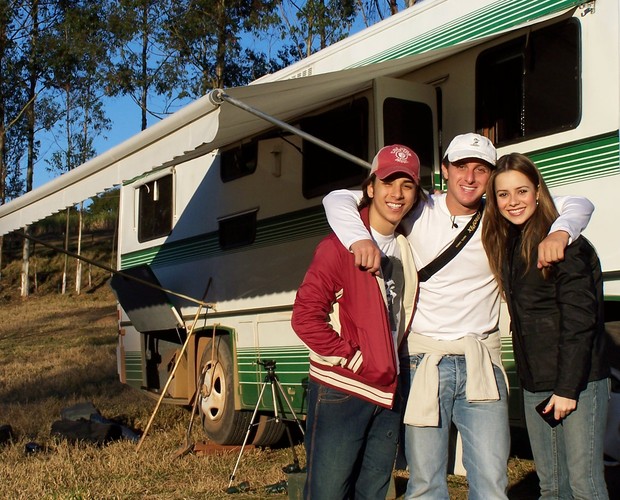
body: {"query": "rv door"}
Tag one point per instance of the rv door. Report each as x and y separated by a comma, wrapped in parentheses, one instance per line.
(406, 113)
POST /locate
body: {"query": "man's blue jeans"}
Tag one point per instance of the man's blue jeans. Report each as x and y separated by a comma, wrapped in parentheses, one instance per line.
(484, 430)
(350, 445)
(569, 457)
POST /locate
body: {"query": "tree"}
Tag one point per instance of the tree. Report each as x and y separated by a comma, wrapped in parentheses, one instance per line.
(315, 24)
(137, 69)
(79, 48)
(206, 37)
(32, 70)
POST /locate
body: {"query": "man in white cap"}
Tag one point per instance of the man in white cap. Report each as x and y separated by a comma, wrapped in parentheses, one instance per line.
(452, 355)
(353, 323)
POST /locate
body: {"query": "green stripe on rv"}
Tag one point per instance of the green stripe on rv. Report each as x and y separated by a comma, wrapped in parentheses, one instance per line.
(289, 227)
(493, 18)
(586, 159)
(133, 369)
(292, 367)
(292, 363)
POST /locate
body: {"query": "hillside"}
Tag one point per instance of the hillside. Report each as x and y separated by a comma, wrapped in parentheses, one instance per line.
(47, 263)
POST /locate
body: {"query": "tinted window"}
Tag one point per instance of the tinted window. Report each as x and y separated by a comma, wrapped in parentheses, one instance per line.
(345, 127)
(530, 86)
(238, 230)
(155, 209)
(238, 161)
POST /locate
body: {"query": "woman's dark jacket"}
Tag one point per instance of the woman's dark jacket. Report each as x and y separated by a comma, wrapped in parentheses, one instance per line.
(557, 324)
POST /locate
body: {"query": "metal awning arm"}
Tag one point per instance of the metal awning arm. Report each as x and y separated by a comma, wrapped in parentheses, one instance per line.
(218, 96)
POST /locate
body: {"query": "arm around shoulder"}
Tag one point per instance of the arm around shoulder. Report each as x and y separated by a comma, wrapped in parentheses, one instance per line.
(575, 213)
(343, 216)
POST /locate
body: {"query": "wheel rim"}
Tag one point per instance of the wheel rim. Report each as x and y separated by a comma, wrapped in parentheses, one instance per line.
(213, 392)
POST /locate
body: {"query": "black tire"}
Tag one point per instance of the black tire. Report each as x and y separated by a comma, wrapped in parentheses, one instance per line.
(268, 431)
(220, 421)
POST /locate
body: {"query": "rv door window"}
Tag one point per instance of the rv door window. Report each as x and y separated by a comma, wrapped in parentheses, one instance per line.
(155, 209)
(345, 127)
(411, 123)
(530, 86)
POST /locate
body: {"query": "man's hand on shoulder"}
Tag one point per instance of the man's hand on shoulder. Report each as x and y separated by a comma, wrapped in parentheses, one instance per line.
(551, 249)
(367, 255)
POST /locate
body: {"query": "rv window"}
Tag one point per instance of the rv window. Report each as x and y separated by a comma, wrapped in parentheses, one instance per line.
(345, 127)
(411, 123)
(155, 209)
(239, 161)
(530, 86)
(238, 230)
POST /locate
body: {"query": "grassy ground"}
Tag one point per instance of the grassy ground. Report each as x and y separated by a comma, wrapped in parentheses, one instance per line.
(56, 351)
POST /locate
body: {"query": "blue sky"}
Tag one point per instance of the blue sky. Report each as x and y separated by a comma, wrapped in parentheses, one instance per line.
(125, 117)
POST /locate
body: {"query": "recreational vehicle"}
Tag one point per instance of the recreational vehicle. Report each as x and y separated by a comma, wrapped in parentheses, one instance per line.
(220, 204)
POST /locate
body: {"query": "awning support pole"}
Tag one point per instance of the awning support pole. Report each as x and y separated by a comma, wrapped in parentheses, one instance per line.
(218, 96)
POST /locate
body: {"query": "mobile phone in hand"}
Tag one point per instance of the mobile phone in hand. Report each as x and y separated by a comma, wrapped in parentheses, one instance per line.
(547, 417)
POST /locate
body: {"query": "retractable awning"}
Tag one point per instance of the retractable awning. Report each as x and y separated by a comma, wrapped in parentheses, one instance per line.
(204, 126)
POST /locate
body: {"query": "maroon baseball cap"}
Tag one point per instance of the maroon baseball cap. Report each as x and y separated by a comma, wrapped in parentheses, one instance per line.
(396, 159)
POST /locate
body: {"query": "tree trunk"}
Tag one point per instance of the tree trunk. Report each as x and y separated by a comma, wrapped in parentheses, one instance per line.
(25, 278)
(64, 270)
(78, 265)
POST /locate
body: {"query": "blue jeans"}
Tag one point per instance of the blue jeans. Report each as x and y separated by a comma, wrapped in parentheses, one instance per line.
(484, 430)
(350, 445)
(569, 457)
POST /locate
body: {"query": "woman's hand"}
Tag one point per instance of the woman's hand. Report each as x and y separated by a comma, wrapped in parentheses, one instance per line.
(561, 407)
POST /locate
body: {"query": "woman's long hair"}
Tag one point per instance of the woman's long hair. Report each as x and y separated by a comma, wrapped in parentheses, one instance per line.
(495, 228)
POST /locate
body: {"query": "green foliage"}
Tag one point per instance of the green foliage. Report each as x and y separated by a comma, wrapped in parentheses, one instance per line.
(320, 23)
(205, 37)
(78, 51)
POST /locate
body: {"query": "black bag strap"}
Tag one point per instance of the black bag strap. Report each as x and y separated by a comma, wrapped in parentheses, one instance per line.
(457, 245)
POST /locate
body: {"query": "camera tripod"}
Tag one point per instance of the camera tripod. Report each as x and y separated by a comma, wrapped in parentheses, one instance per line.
(271, 379)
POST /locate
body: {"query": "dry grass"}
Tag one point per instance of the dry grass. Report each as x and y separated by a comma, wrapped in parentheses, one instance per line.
(56, 351)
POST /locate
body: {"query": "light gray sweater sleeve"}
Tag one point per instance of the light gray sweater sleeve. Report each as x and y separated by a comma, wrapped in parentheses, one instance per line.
(344, 217)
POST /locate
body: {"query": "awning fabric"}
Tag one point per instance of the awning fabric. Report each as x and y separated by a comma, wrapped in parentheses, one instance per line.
(202, 127)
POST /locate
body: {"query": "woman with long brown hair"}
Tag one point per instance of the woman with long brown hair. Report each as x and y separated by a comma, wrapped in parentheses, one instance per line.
(557, 331)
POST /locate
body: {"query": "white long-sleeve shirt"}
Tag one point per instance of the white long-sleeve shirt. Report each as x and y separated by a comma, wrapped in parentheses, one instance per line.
(462, 298)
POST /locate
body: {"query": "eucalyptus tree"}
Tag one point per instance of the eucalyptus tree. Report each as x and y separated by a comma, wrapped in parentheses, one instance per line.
(12, 102)
(313, 25)
(78, 55)
(10, 108)
(34, 16)
(137, 69)
(210, 41)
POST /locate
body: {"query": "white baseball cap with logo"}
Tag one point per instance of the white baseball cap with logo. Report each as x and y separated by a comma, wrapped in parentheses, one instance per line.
(471, 146)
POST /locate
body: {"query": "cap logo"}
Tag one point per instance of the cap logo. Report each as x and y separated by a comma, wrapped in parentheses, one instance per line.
(475, 142)
(401, 155)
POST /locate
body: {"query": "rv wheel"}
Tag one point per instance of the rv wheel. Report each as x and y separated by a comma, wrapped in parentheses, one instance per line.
(221, 422)
(268, 431)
